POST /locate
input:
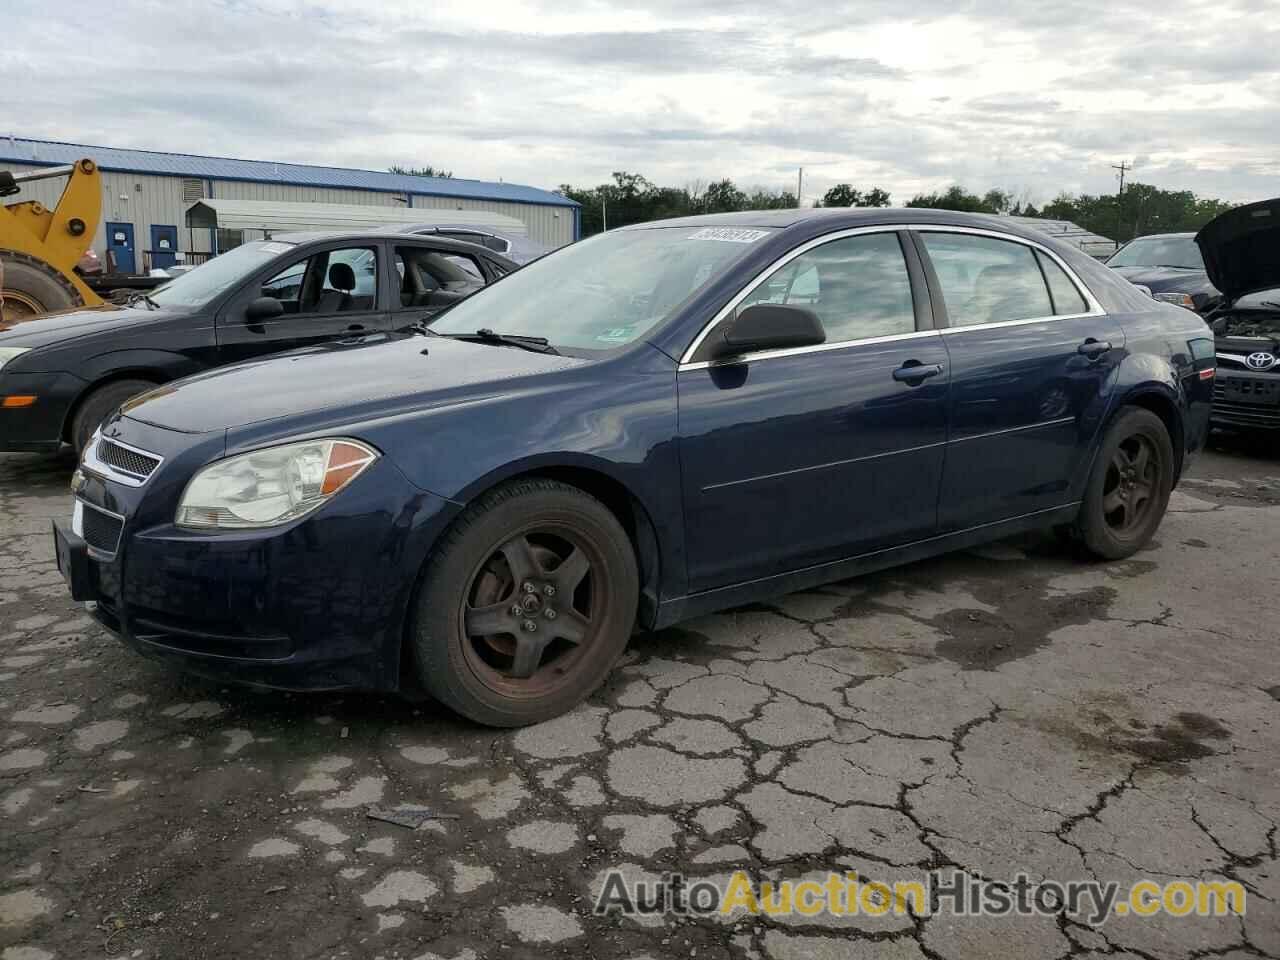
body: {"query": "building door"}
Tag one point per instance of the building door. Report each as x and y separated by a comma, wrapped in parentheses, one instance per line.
(164, 244)
(120, 247)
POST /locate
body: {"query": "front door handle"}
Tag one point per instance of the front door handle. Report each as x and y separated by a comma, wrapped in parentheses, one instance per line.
(914, 373)
(356, 328)
(1093, 349)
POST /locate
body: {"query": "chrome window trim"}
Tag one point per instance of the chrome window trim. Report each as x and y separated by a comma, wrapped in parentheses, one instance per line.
(686, 359)
(91, 462)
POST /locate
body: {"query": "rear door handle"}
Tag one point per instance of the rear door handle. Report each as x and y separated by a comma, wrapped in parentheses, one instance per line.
(1093, 349)
(914, 372)
(355, 328)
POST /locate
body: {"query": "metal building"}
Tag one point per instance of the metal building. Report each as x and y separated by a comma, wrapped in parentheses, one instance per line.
(146, 196)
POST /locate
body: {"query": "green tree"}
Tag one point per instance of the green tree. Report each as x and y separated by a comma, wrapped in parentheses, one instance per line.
(427, 171)
(955, 198)
(846, 195)
(722, 197)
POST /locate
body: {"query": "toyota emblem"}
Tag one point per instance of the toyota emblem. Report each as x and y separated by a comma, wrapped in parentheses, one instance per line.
(1260, 361)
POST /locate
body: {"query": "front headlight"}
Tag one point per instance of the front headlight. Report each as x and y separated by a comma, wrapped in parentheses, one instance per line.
(8, 353)
(1178, 299)
(271, 486)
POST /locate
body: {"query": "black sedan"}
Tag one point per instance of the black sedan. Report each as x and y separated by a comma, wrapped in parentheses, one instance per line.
(61, 374)
(670, 419)
(1170, 266)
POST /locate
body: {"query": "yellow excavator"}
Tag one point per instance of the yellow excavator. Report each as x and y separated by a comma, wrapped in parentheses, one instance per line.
(39, 247)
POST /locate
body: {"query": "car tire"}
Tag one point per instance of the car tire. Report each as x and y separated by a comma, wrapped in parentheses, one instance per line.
(99, 405)
(30, 288)
(1129, 486)
(525, 604)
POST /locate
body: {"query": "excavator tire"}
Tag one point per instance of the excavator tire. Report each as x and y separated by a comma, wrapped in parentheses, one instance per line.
(30, 287)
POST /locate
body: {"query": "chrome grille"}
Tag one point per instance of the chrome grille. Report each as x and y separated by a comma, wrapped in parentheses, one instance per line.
(126, 460)
(101, 529)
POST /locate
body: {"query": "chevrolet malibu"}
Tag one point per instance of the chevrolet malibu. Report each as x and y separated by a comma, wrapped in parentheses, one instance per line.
(659, 422)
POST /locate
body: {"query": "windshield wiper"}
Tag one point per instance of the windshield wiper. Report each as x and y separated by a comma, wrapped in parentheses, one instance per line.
(485, 335)
(144, 297)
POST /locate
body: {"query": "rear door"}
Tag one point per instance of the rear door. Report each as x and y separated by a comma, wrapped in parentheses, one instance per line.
(327, 293)
(1032, 357)
(794, 458)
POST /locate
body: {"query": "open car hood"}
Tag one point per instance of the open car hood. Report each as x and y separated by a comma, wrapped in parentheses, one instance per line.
(1241, 248)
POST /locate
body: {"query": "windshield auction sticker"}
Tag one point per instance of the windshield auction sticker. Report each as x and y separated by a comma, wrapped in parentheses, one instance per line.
(937, 892)
(728, 234)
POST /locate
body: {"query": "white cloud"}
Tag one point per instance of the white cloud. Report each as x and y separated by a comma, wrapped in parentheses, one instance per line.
(1026, 96)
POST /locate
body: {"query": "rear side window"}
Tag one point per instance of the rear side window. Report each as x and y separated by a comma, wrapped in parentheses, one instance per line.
(859, 287)
(986, 280)
(1067, 298)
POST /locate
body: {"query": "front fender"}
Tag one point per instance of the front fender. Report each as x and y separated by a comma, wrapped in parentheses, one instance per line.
(162, 365)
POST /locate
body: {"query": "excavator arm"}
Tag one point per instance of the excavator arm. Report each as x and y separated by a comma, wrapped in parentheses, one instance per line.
(39, 247)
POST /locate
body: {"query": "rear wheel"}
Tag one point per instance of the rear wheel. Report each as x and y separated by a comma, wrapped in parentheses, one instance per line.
(1129, 487)
(526, 604)
(99, 405)
(30, 287)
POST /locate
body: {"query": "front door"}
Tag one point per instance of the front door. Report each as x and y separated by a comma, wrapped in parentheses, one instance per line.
(164, 245)
(120, 247)
(326, 295)
(1031, 363)
(800, 457)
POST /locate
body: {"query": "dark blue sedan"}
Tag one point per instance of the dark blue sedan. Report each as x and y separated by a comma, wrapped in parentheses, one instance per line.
(656, 423)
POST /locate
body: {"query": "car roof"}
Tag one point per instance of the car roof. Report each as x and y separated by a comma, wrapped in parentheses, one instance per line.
(836, 218)
(371, 236)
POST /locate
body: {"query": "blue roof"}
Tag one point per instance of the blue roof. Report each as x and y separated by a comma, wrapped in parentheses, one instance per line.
(48, 152)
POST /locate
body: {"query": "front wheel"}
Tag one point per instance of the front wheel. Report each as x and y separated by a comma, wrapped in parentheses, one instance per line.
(526, 604)
(1129, 486)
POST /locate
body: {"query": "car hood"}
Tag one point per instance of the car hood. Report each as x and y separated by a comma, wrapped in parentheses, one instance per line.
(1165, 279)
(67, 324)
(346, 373)
(1241, 248)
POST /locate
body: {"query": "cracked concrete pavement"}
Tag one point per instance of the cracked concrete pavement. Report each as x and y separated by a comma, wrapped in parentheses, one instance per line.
(1001, 710)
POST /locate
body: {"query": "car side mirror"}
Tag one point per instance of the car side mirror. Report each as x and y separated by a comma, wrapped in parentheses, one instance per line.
(767, 326)
(263, 308)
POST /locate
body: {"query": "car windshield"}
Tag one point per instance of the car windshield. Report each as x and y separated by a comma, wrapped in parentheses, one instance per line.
(605, 292)
(1159, 252)
(209, 279)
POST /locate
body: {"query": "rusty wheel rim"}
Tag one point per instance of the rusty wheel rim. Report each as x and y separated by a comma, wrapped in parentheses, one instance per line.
(1130, 491)
(532, 611)
(17, 307)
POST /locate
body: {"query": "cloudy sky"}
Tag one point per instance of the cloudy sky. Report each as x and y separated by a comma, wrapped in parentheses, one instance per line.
(1035, 97)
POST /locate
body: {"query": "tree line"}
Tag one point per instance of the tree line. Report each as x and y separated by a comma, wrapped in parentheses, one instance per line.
(631, 198)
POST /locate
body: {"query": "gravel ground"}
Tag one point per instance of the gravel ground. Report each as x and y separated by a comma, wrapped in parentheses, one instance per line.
(1002, 710)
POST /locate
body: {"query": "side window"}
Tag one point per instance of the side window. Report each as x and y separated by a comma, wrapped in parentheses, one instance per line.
(435, 279)
(859, 287)
(332, 281)
(985, 280)
(1067, 298)
(286, 286)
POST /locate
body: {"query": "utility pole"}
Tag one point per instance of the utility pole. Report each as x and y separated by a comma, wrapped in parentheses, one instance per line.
(800, 188)
(1122, 167)
(604, 216)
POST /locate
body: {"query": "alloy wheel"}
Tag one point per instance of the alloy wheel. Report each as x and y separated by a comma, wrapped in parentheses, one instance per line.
(532, 610)
(1132, 485)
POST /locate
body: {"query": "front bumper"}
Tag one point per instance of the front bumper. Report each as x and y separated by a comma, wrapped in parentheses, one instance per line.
(1246, 400)
(317, 604)
(39, 427)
